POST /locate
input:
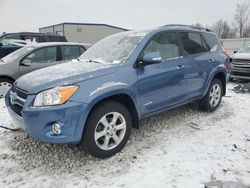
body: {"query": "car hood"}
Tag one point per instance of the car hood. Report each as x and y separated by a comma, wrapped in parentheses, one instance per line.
(242, 56)
(63, 74)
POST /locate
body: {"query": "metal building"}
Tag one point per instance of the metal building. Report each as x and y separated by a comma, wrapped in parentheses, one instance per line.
(82, 32)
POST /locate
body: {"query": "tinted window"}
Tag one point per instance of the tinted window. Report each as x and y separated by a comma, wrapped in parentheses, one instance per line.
(43, 55)
(70, 52)
(192, 43)
(166, 44)
(211, 41)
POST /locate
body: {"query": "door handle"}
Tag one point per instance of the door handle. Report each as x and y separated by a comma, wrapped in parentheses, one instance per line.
(210, 60)
(179, 67)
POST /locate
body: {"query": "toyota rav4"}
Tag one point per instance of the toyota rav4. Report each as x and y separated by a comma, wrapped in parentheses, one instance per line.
(122, 79)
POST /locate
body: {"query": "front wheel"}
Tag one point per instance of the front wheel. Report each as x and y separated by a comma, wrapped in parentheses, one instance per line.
(5, 85)
(107, 129)
(212, 99)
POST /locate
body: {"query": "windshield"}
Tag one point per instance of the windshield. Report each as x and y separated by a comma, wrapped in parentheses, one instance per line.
(245, 50)
(115, 48)
(18, 53)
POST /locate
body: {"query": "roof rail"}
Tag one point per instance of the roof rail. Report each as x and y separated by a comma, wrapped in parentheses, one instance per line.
(189, 26)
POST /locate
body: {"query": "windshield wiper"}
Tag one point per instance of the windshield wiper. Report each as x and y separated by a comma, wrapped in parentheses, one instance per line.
(1, 60)
(95, 61)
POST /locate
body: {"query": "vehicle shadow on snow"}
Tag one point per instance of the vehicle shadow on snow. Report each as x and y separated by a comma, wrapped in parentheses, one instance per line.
(51, 158)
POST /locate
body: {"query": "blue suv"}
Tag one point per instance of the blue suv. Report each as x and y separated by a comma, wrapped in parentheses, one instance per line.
(122, 79)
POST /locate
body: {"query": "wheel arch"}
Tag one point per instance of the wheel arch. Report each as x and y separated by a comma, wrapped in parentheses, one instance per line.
(222, 77)
(7, 77)
(124, 98)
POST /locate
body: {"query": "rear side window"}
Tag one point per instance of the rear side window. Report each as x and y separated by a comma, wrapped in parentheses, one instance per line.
(164, 43)
(211, 41)
(192, 43)
(70, 52)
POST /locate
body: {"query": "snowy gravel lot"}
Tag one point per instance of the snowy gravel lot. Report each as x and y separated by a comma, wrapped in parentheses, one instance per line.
(165, 152)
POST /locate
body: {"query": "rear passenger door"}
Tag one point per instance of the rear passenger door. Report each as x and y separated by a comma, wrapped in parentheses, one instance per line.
(69, 52)
(40, 58)
(198, 63)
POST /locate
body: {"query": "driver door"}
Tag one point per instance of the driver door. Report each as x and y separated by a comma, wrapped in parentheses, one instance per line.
(160, 84)
(38, 59)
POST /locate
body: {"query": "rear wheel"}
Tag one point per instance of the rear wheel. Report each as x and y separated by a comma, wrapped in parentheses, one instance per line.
(5, 85)
(107, 129)
(212, 99)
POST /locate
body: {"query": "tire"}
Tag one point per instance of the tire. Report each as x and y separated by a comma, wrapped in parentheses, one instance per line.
(5, 85)
(212, 99)
(99, 135)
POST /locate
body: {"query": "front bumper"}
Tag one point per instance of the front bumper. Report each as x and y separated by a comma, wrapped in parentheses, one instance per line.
(38, 121)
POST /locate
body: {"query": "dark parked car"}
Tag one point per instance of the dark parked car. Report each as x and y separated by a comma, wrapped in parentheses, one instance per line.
(6, 48)
(241, 64)
(116, 83)
(37, 56)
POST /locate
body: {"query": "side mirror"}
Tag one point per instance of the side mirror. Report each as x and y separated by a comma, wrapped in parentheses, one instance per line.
(151, 58)
(26, 62)
(235, 52)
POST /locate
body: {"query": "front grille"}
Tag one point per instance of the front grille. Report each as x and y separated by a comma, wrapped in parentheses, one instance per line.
(241, 74)
(241, 66)
(17, 108)
(242, 61)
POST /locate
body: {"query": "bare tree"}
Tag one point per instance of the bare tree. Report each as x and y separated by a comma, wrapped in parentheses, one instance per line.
(242, 18)
(223, 29)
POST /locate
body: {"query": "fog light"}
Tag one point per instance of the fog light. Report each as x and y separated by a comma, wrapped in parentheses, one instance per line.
(56, 128)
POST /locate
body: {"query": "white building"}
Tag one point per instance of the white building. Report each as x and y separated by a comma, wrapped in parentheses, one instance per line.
(82, 32)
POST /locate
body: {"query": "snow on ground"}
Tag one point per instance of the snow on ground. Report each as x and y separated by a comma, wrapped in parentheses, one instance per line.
(165, 152)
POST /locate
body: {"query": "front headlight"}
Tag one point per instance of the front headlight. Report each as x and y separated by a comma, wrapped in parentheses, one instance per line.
(55, 96)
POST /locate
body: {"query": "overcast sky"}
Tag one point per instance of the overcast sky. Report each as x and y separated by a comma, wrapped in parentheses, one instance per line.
(29, 15)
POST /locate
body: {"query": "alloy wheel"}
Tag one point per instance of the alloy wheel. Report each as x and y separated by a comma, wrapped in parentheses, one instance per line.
(110, 131)
(215, 95)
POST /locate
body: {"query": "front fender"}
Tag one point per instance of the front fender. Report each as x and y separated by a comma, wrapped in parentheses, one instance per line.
(110, 89)
(100, 93)
(93, 92)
